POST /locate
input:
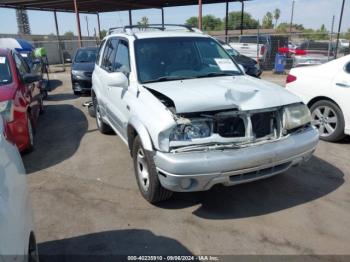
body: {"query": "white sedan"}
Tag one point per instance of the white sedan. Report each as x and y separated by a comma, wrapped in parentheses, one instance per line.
(17, 239)
(326, 90)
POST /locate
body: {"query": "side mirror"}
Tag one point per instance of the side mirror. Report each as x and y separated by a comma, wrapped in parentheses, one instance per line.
(117, 79)
(31, 78)
(242, 68)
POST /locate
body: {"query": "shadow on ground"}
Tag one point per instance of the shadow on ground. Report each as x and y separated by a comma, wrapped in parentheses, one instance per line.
(54, 83)
(297, 186)
(58, 137)
(107, 246)
(61, 97)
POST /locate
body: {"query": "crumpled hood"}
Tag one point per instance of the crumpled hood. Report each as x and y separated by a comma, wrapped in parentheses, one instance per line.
(216, 93)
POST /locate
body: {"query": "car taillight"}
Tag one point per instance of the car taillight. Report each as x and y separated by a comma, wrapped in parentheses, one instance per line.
(291, 78)
(262, 50)
(300, 52)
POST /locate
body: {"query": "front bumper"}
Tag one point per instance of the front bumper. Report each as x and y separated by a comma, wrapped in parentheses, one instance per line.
(199, 171)
(81, 83)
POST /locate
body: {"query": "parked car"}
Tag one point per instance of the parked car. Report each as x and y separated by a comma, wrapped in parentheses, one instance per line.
(251, 66)
(249, 45)
(191, 118)
(82, 67)
(326, 91)
(20, 98)
(17, 238)
(313, 53)
(344, 45)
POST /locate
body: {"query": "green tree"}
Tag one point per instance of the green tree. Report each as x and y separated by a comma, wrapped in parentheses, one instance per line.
(234, 21)
(276, 15)
(212, 23)
(267, 21)
(192, 21)
(69, 34)
(283, 28)
(103, 33)
(144, 21)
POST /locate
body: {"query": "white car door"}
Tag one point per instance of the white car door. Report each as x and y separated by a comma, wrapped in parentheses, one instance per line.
(118, 112)
(341, 90)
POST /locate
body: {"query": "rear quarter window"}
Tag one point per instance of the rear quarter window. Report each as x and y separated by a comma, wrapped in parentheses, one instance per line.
(5, 71)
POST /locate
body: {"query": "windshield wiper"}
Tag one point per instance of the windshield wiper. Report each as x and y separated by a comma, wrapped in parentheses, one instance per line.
(168, 78)
(215, 74)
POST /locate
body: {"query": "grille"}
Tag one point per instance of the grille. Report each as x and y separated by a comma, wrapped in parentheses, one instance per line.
(231, 127)
(263, 123)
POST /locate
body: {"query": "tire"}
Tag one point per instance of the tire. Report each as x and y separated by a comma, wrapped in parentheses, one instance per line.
(102, 126)
(77, 93)
(328, 118)
(146, 174)
(92, 108)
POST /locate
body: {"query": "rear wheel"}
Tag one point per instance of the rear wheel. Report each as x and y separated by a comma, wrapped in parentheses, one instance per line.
(146, 174)
(328, 118)
(102, 126)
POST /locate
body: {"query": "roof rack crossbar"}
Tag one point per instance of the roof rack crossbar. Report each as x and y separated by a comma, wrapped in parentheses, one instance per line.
(163, 27)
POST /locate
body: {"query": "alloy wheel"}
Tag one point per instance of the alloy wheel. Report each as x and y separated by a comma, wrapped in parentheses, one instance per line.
(142, 170)
(325, 120)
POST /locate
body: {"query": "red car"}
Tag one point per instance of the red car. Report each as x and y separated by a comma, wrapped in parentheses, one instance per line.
(20, 98)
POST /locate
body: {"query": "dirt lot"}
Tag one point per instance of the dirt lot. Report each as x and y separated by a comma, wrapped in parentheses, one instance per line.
(86, 200)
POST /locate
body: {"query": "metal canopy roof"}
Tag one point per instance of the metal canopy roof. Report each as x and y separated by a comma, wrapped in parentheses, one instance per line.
(93, 6)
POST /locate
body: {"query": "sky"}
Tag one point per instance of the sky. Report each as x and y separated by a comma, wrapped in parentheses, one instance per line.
(310, 13)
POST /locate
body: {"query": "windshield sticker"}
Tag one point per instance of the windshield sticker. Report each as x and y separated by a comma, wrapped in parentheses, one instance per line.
(225, 64)
(2, 60)
(24, 54)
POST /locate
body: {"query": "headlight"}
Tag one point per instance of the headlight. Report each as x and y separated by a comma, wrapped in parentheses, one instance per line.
(6, 110)
(77, 73)
(295, 116)
(197, 129)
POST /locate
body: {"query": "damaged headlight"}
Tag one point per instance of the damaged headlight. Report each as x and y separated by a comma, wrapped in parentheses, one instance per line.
(196, 129)
(295, 116)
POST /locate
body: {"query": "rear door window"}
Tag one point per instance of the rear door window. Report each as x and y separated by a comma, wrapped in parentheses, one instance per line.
(5, 71)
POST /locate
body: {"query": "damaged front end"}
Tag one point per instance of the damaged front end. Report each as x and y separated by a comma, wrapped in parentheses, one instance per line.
(233, 129)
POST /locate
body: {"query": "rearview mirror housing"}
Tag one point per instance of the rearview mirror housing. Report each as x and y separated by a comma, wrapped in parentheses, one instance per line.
(31, 78)
(118, 79)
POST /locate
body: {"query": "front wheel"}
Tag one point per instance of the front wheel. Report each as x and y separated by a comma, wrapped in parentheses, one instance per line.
(146, 174)
(328, 118)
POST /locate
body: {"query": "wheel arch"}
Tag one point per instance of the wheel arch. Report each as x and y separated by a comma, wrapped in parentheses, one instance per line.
(319, 98)
(136, 128)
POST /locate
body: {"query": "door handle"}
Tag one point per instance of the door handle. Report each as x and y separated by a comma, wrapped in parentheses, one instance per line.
(342, 85)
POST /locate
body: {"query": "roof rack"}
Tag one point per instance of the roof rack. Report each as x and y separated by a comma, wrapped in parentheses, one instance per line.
(129, 29)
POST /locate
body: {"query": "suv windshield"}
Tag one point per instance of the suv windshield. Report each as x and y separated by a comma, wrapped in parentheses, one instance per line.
(5, 72)
(86, 56)
(174, 58)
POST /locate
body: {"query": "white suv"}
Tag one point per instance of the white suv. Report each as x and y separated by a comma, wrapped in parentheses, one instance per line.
(190, 116)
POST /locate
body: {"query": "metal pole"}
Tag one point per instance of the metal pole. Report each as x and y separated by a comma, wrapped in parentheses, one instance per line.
(339, 28)
(331, 38)
(130, 18)
(257, 42)
(87, 25)
(162, 9)
(291, 18)
(242, 16)
(200, 14)
(99, 26)
(59, 40)
(78, 23)
(226, 23)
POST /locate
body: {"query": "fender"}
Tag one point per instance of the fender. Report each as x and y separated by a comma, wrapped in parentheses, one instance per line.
(142, 132)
